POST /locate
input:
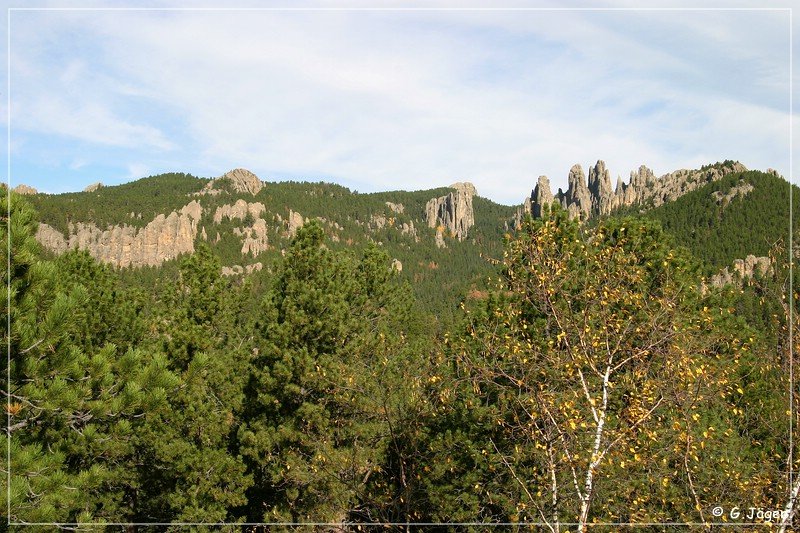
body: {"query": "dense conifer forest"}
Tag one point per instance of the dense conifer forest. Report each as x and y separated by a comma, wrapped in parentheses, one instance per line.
(567, 375)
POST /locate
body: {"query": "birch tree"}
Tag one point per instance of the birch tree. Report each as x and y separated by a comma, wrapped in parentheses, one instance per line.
(608, 372)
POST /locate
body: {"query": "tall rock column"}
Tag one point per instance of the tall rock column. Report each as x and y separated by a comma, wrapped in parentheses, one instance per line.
(453, 211)
(600, 189)
(577, 201)
(541, 196)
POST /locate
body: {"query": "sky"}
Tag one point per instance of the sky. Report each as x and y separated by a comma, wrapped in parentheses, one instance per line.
(383, 96)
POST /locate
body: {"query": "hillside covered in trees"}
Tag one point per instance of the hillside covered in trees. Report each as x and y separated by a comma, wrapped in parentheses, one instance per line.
(553, 372)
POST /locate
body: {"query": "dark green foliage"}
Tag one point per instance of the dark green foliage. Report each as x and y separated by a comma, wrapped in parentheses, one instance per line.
(330, 387)
(719, 232)
(75, 405)
(195, 473)
(115, 315)
(327, 384)
(106, 206)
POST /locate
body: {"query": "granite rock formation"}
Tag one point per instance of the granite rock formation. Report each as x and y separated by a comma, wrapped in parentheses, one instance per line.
(239, 210)
(294, 222)
(452, 212)
(600, 189)
(24, 189)
(164, 238)
(540, 196)
(740, 189)
(93, 187)
(241, 180)
(397, 208)
(254, 238)
(742, 269)
(595, 197)
(238, 270)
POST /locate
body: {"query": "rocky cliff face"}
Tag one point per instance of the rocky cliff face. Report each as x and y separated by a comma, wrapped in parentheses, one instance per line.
(540, 196)
(165, 238)
(239, 210)
(452, 212)
(585, 199)
(254, 238)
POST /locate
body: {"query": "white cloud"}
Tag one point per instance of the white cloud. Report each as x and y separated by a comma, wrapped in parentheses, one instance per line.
(418, 99)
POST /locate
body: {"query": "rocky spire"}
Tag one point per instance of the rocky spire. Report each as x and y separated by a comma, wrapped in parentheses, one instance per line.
(584, 200)
(452, 212)
(577, 201)
(600, 188)
(541, 196)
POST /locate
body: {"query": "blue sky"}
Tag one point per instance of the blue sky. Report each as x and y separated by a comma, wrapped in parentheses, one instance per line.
(397, 99)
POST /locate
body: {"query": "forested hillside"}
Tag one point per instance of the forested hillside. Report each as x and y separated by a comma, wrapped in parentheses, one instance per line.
(743, 213)
(596, 378)
(439, 272)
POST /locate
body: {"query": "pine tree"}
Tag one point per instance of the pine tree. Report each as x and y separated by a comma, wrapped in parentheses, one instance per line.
(196, 474)
(318, 402)
(73, 406)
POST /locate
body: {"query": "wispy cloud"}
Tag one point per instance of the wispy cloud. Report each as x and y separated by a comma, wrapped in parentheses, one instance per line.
(410, 100)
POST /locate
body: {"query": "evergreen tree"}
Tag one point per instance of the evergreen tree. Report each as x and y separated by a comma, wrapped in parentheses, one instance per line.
(74, 406)
(195, 474)
(318, 402)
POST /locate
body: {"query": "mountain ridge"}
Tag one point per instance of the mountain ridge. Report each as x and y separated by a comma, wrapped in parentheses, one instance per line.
(444, 241)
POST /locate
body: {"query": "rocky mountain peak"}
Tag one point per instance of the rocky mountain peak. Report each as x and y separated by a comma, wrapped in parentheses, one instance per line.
(577, 201)
(25, 189)
(243, 180)
(600, 189)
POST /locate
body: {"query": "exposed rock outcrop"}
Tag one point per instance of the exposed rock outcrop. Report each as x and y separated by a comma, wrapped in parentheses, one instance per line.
(51, 239)
(377, 221)
(740, 189)
(294, 222)
(540, 197)
(255, 238)
(239, 210)
(93, 187)
(452, 212)
(600, 189)
(407, 228)
(743, 269)
(238, 270)
(577, 201)
(587, 199)
(397, 265)
(165, 238)
(241, 180)
(439, 240)
(24, 189)
(397, 208)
